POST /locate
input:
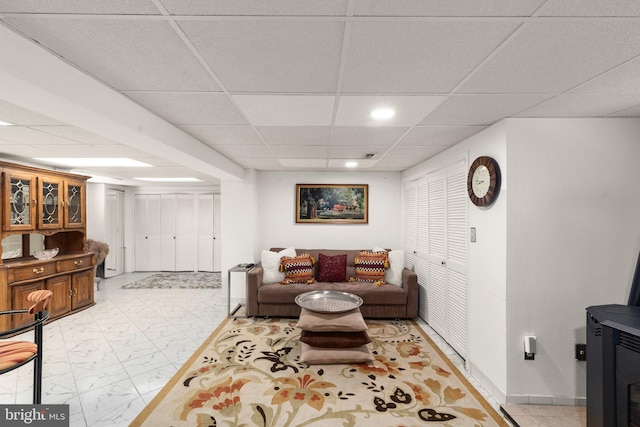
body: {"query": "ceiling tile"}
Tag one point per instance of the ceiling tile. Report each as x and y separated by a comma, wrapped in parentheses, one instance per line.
(75, 134)
(416, 153)
(257, 7)
(304, 163)
(446, 7)
(118, 7)
(300, 151)
(32, 136)
(622, 80)
(552, 57)
(439, 135)
(590, 8)
(479, 109)
(582, 105)
(243, 151)
(287, 110)
(362, 135)
(630, 112)
(24, 150)
(191, 108)
(296, 135)
(417, 57)
(356, 110)
(270, 56)
(355, 152)
(387, 164)
(126, 54)
(361, 164)
(224, 135)
(16, 115)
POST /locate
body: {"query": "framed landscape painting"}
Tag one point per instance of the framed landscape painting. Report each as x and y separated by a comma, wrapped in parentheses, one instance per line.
(332, 203)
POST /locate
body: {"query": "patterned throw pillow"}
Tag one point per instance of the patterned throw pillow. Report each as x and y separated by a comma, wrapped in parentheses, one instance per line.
(332, 268)
(371, 266)
(298, 269)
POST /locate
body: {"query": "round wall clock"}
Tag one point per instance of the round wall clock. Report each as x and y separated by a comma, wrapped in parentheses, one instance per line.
(483, 181)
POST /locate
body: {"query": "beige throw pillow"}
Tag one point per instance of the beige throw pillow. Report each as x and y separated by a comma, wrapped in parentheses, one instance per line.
(349, 321)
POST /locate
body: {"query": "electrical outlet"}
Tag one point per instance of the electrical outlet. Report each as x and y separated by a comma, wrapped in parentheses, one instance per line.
(581, 352)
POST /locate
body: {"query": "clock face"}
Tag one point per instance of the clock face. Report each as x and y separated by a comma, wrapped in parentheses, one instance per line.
(480, 181)
(483, 181)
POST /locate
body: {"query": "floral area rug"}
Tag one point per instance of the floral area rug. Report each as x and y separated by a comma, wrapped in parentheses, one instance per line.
(199, 280)
(248, 373)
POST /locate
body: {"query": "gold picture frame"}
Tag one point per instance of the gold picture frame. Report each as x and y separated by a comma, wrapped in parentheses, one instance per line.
(332, 203)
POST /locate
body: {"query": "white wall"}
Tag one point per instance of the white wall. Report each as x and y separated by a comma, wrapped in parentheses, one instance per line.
(276, 212)
(239, 211)
(486, 267)
(573, 240)
(96, 199)
(564, 234)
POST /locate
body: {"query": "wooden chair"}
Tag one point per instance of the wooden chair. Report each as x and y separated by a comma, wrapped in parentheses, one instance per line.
(14, 354)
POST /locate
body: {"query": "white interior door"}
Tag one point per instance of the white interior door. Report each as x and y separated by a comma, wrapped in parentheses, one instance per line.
(217, 241)
(114, 263)
(147, 232)
(205, 232)
(186, 242)
(141, 221)
(168, 232)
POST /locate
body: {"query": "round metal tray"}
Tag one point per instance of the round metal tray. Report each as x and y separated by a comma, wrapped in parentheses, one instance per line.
(328, 301)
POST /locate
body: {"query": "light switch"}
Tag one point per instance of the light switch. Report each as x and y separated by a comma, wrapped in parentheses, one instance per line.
(472, 233)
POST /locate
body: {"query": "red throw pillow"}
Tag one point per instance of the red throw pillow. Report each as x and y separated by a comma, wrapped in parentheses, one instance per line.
(332, 268)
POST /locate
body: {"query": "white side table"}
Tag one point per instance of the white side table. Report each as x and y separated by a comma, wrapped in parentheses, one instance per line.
(240, 268)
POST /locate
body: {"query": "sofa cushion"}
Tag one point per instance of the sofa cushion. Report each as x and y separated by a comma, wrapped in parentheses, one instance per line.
(271, 264)
(335, 339)
(371, 266)
(297, 269)
(332, 268)
(278, 294)
(349, 321)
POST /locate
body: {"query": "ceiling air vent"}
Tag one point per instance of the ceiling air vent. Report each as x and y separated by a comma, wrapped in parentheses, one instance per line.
(370, 155)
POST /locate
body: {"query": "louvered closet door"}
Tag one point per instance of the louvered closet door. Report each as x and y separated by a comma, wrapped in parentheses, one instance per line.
(437, 275)
(456, 261)
(447, 236)
(415, 237)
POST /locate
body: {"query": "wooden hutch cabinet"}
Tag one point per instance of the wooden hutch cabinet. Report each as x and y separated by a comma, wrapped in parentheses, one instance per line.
(50, 207)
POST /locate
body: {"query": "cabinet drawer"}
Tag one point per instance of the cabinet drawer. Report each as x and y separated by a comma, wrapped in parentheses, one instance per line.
(74, 264)
(18, 274)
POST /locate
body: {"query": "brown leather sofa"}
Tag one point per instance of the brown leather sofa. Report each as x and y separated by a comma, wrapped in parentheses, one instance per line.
(388, 301)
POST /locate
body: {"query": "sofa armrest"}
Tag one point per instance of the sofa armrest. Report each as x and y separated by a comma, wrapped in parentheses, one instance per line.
(410, 284)
(254, 281)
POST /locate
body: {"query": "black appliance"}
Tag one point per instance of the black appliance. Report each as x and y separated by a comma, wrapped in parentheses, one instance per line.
(613, 366)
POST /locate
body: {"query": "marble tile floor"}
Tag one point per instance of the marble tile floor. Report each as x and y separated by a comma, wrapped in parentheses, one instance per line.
(109, 361)
(547, 416)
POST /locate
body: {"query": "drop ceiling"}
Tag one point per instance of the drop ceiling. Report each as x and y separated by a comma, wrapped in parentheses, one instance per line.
(208, 88)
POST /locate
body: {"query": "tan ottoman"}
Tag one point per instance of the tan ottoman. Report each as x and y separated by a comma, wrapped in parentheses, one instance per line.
(329, 338)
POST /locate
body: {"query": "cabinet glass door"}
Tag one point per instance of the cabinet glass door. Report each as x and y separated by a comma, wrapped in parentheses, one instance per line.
(49, 208)
(19, 207)
(74, 204)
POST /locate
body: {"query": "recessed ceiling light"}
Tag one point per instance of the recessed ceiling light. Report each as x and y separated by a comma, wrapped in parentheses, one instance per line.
(95, 161)
(382, 113)
(5, 123)
(351, 164)
(179, 179)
